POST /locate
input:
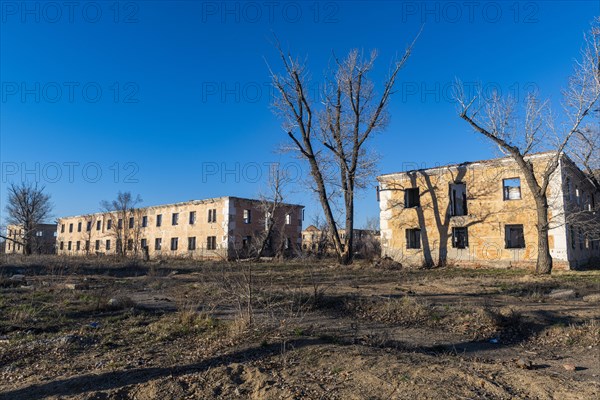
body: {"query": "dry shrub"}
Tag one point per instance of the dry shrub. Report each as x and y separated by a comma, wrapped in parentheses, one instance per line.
(484, 322)
(387, 263)
(584, 334)
(182, 323)
(403, 311)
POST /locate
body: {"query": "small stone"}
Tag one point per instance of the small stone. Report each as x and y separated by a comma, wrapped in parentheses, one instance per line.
(569, 367)
(562, 294)
(119, 303)
(68, 339)
(18, 277)
(523, 363)
(75, 286)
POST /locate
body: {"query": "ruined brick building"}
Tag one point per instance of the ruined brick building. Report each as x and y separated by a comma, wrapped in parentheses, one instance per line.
(217, 228)
(42, 238)
(482, 213)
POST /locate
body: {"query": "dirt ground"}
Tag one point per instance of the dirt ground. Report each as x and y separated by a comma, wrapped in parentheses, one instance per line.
(109, 329)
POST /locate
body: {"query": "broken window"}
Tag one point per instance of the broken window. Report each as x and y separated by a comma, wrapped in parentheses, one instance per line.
(246, 240)
(62, 244)
(69, 246)
(413, 238)
(143, 243)
(120, 223)
(87, 245)
(411, 198)
(288, 219)
(107, 245)
(89, 226)
(514, 237)
(62, 228)
(157, 244)
(212, 215)
(458, 199)
(78, 245)
(247, 216)
(109, 224)
(159, 220)
(192, 243)
(70, 228)
(131, 222)
(175, 219)
(79, 226)
(589, 201)
(98, 225)
(144, 221)
(174, 243)
(211, 243)
(460, 238)
(129, 244)
(192, 217)
(512, 188)
(97, 246)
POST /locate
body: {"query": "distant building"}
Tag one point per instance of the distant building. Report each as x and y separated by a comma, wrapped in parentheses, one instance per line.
(43, 239)
(315, 240)
(217, 228)
(482, 213)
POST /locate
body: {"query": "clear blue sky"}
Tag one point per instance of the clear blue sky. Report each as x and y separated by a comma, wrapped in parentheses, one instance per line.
(167, 92)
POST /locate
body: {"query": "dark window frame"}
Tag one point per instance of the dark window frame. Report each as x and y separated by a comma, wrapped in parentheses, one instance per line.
(508, 244)
(412, 198)
(457, 242)
(413, 238)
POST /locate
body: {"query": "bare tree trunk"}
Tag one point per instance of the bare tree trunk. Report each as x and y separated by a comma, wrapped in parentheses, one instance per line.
(544, 259)
(347, 255)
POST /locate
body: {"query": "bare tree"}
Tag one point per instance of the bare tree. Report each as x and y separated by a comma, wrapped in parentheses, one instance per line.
(121, 211)
(332, 134)
(520, 134)
(274, 212)
(584, 149)
(28, 206)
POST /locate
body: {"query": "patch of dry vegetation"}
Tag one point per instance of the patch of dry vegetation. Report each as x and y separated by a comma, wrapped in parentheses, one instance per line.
(288, 331)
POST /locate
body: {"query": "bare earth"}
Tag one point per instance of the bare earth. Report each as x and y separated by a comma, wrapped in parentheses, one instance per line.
(107, 329)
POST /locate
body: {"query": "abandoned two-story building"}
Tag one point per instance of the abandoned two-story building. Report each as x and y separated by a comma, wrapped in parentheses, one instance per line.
(482, 213)
(42, 239)
(217, 228)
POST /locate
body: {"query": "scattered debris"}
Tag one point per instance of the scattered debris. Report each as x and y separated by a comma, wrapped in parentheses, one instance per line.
(562, 294)
(523, 363)
(18, 277)
(119, 303)
(592, 298)
(75, 286)
(67, 339)
(570, 367)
